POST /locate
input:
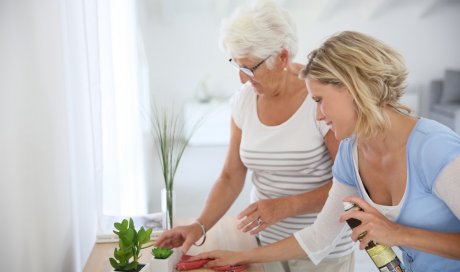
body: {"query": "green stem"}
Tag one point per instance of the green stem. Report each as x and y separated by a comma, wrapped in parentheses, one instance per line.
(151, 245)
(169, 203)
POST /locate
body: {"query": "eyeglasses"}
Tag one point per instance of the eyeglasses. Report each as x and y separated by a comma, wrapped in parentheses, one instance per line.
(249, 71)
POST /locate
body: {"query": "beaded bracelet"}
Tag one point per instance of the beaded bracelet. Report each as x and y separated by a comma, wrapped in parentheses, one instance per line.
(204, 233)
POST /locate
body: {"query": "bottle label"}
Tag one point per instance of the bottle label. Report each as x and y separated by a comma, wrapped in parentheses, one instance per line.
(393, 266)
(385, 269)
(381, 255)
(395, 269)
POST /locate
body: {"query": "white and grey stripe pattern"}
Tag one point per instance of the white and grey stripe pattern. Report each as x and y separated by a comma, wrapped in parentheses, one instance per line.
(284, 173)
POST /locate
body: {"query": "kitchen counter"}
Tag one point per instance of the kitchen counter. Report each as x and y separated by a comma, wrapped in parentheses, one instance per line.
(223, 236)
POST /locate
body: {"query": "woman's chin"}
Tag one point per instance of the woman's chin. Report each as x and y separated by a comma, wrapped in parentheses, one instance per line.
(337, 134)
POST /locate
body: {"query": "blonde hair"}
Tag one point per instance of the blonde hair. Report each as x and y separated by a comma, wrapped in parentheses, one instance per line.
(373, 72)
(259, 30)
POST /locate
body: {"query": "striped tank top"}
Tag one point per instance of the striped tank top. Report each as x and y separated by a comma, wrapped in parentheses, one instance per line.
(284, 160)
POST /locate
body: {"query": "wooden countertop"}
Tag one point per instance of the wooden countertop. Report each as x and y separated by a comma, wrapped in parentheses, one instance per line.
(223, 235)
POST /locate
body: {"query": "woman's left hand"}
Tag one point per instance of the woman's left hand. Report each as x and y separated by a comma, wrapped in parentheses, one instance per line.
(219, 258)
(375, 226)
(263, 213)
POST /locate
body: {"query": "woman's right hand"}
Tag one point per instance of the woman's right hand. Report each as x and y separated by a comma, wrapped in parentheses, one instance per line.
(184, 236)
(219, 258)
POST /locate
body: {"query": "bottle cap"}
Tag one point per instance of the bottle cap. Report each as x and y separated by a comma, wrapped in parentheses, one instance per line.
(347, 205)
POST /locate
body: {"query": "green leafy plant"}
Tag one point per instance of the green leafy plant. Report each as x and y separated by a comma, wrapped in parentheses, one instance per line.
(130, 244)
(171, 141)
(161, 252)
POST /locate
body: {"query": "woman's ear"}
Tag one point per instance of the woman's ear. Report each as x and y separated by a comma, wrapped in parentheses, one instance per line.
(284, 57)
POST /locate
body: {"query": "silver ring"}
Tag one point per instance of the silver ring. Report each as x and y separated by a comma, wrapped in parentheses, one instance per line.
(259, 221)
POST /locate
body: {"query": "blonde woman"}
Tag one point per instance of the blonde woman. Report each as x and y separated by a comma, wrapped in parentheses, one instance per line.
(401, 170)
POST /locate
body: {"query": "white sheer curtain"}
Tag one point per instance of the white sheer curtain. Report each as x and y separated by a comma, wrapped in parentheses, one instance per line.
(49, 160)
(124, 104)
(57, 96)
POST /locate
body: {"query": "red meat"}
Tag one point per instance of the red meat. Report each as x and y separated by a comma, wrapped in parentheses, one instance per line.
(184, 264)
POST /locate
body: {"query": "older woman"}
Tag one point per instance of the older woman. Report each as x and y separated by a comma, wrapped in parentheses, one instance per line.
(406, 170)
(275, 135)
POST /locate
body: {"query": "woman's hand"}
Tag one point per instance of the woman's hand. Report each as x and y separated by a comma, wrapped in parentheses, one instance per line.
(263, 213)
(184, 236)
(374, 225)
(219, 258)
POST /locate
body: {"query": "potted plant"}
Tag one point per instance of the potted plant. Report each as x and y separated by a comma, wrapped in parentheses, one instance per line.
(164, 259)
(130, 242)
(171, 141)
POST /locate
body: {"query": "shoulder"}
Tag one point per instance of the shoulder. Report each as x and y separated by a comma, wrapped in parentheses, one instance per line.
(240, 103)
(431, 147)
(430, 136)
(243, 95)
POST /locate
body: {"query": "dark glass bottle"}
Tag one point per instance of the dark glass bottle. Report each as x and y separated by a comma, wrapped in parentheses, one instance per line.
(383, 256)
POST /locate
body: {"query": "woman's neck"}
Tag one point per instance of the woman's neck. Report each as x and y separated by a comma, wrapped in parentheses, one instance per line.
(394, 138)
(289, 84)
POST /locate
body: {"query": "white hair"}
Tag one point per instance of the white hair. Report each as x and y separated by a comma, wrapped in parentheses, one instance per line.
(258, 31)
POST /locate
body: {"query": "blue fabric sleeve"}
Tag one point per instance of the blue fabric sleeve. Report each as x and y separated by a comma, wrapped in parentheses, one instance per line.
(435, 152)
(343, 164)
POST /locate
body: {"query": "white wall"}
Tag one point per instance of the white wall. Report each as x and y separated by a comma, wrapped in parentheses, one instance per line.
(181, 40)
(430, 43)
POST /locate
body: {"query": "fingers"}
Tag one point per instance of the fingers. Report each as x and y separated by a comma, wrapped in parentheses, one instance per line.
(216, 258)
(204, 255)
(364, 242)
(187, 244)
(255, 226)
(253, 218)
(169, 243)
(356, 214)
(359, 233)
(260, 228)
(363, 235)
(159, 243)
(247, 217)
(246, 212)
(163, 240)
(261, 225)
(248, 223)
(360, 202)
(365, 212)
(176, 237)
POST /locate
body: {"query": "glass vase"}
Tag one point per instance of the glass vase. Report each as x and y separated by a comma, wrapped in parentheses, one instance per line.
(168, 206)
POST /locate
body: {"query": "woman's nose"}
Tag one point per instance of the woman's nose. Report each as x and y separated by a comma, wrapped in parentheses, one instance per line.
(243, 77)
(319, 113)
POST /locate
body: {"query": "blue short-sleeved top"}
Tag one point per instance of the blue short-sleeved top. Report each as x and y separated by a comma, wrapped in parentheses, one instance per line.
(430, 147)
